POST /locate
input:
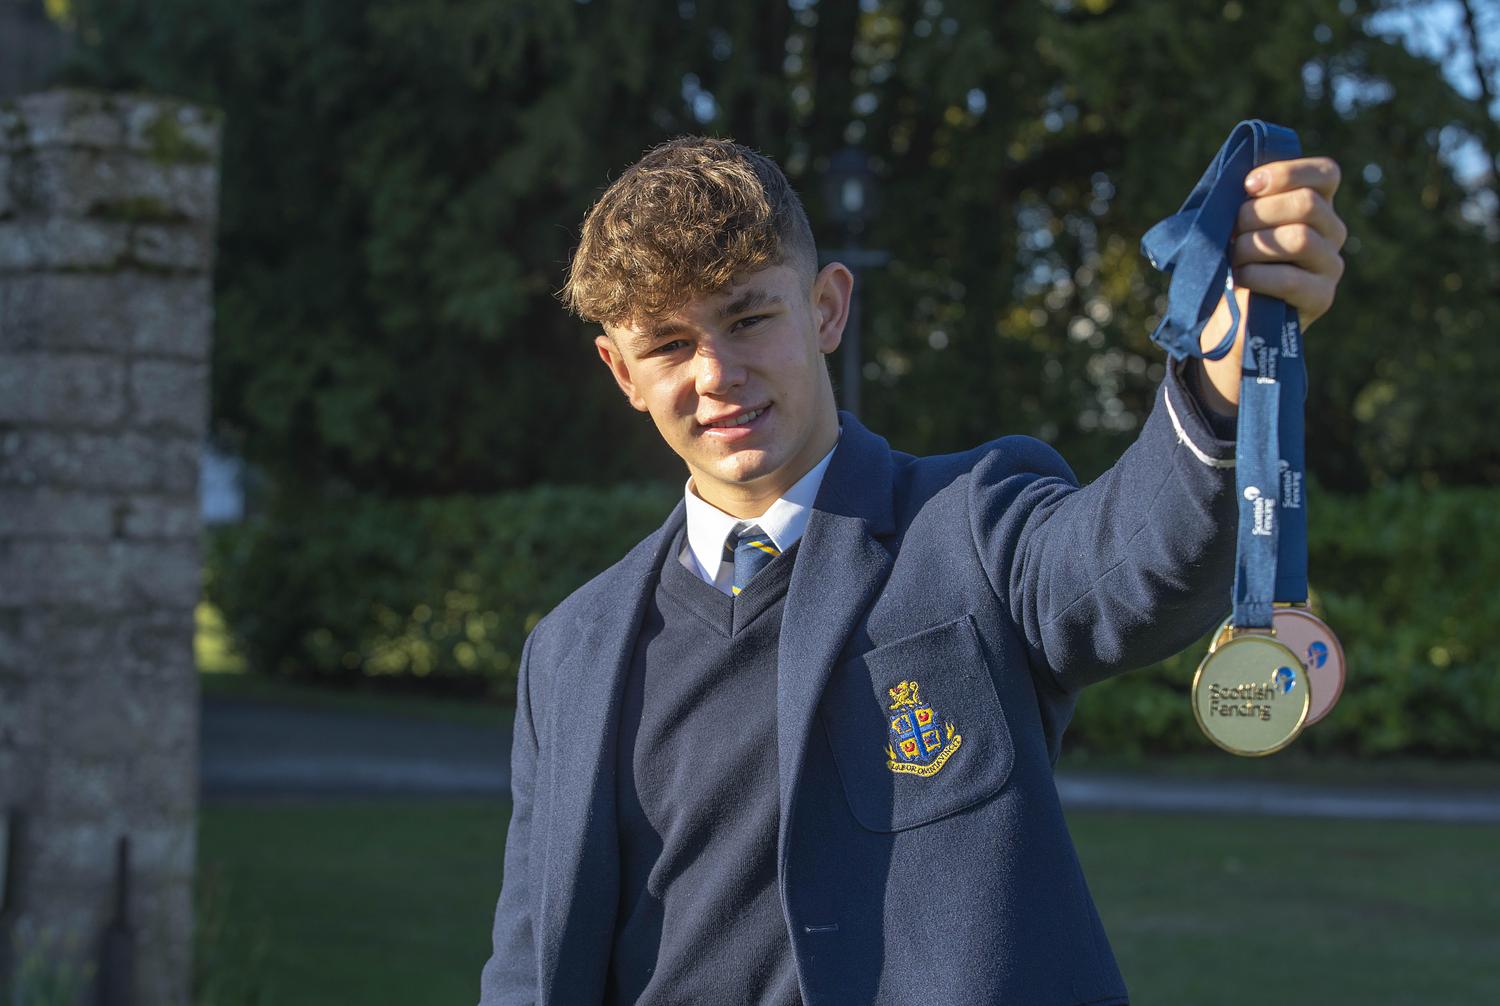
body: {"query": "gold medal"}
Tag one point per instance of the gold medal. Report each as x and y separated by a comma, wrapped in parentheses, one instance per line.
(1250, 694)
(1317, 648)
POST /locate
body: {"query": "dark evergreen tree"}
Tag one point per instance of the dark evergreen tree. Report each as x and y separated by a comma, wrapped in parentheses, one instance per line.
(403, 180)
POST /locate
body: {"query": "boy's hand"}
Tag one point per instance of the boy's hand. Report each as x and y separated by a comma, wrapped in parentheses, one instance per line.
(1286, 245)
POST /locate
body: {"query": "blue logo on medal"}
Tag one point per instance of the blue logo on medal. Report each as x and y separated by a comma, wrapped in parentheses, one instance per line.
(1285, 679)
(920, 741)
(1317, 654)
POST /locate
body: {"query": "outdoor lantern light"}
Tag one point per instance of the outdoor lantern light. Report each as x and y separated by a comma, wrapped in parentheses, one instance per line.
(849, 188)
(849, 196)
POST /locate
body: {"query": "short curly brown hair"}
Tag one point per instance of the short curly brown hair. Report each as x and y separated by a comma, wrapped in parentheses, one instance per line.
(683, 222)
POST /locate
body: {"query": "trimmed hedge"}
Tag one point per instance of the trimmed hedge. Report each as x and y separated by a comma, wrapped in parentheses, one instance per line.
(442, 588)
(448, 588)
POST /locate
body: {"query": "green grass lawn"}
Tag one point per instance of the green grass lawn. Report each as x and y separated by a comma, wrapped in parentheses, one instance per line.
(325, 903)
(389, 903)
(1231, 910)
(1297, 765)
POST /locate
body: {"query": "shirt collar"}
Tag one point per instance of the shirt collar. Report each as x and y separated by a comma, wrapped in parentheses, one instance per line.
(784, 520)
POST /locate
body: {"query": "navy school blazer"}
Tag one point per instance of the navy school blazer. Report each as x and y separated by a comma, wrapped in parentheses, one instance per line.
(997, 585)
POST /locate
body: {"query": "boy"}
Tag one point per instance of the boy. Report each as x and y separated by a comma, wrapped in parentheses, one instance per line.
(797, 746)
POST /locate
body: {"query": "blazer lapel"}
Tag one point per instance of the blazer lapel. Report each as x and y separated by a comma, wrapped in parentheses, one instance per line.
(841, 563)
(580, 893)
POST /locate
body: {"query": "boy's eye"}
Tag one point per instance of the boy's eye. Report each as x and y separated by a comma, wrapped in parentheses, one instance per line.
(668, 347)
(753, 319)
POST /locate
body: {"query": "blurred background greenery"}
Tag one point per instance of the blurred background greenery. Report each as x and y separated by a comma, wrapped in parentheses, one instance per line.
(440, 459)
(437, 459)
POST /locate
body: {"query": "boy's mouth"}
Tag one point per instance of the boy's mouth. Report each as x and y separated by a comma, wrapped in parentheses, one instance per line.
(736, 420)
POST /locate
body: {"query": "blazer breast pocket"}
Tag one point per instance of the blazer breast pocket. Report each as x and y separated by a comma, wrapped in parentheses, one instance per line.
(916, 728)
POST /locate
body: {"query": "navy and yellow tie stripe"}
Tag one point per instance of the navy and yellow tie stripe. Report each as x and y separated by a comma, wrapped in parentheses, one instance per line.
(750, 550)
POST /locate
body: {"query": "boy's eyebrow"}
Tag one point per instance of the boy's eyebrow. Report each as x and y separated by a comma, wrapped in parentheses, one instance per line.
(748, 301)
(644, 341)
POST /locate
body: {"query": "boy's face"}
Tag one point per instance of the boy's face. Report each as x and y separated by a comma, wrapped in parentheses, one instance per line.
(736, 383)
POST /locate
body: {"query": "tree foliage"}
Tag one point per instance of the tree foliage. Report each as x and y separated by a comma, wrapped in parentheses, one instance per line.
(403, 181)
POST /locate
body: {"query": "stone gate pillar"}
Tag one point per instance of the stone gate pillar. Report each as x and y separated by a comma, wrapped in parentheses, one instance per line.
(107, 213)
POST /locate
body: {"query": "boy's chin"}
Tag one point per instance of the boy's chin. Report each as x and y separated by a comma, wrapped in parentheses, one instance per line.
(740, 468)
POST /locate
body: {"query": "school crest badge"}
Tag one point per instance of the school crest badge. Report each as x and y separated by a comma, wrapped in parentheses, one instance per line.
(920, 743)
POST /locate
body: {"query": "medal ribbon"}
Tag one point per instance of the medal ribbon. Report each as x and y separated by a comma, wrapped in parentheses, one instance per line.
(1192, 247)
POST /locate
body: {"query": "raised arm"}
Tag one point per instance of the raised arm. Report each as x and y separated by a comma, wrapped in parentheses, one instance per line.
(1121, 572)
(1138, 564)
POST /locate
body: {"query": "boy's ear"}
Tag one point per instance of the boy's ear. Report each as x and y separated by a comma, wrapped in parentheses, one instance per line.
(832, 290)
(614, 359)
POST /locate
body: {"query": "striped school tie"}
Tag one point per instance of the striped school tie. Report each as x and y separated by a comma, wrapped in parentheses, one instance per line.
(750, 550)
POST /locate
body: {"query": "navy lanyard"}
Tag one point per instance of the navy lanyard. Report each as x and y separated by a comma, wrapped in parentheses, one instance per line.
(1192, 246)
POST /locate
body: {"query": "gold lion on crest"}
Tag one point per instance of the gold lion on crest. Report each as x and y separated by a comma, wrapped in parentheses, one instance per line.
(904, 694)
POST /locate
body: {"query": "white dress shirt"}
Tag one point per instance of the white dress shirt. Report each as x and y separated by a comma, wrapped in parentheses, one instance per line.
(708, 527)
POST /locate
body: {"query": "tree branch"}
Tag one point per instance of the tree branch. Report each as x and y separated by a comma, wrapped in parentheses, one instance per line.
(1486, 96)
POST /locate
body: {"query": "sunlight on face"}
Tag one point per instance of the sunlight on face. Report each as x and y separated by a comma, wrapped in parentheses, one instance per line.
(736, 382)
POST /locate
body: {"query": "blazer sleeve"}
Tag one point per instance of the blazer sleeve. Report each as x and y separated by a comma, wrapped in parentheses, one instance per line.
(1124, 571)
(509, 977)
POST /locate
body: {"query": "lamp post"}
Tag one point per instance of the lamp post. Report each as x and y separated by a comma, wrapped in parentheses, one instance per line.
(850, 195)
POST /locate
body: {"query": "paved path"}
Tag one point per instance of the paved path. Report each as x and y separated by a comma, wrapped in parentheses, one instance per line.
(262, 749)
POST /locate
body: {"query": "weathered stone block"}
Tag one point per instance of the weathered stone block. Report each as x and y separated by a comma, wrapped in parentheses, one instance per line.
(63, 118)
(12, 128)
(74, 389)
(49, 513)
(145, 516)
(148, 313)
(115, 719)
(180, 248)
(169, 395)
(92, 574)
(109, 576)
(59, 311)
(61, 243)
(170, 132)
(165, 783)
(125, 461)
(14, 622)
(58, 180)
(22, 710)
(173, 316)
(171, 705)
(163, 849)
(158, 646)
(151, 645)
(51, 636)
(82, 785)
(21, 774)
(112, 185)
(165, 572)
(7, 204)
